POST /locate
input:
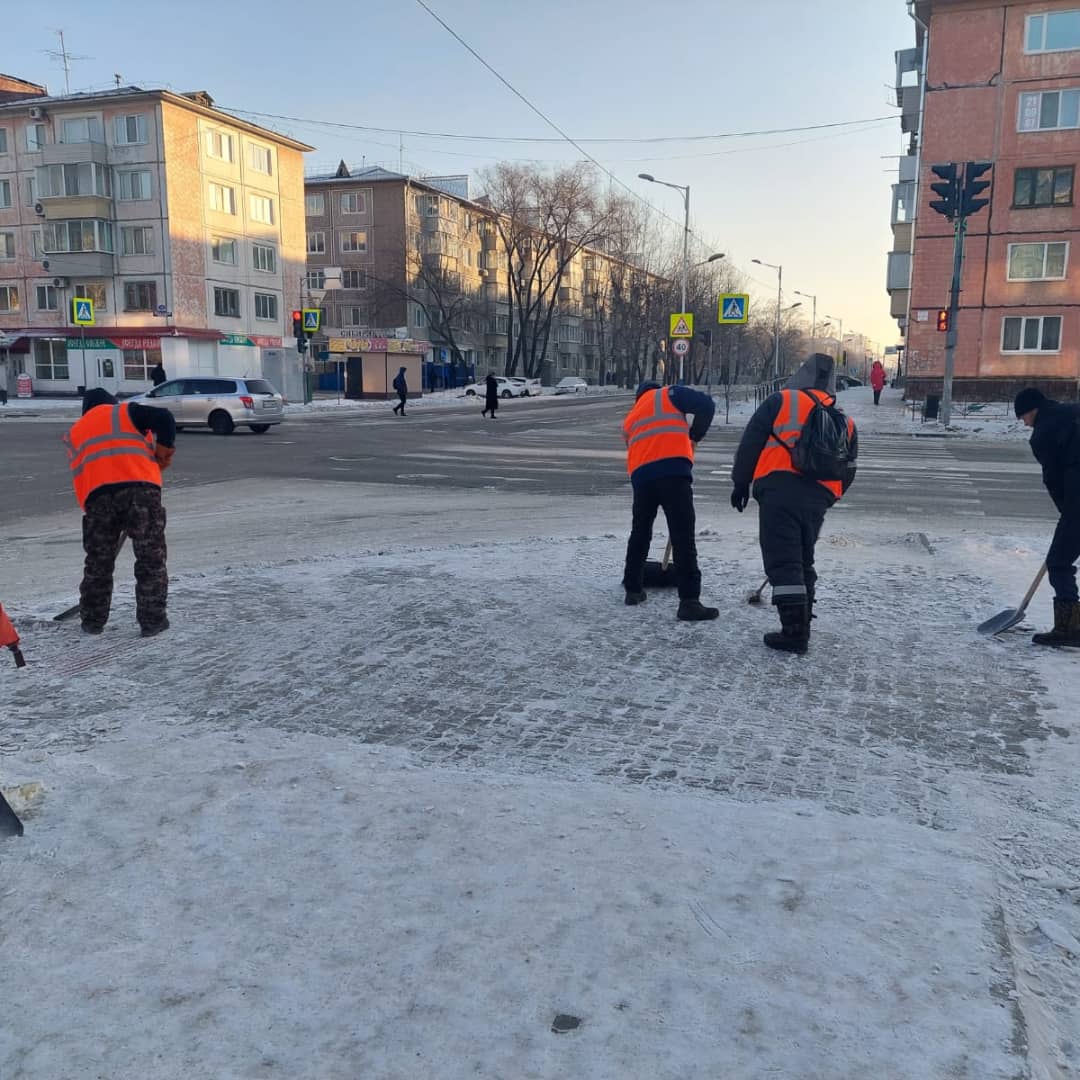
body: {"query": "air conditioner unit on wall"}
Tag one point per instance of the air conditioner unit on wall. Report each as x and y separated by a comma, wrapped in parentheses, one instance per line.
(39, 209)
(37, 112)
(60, 282)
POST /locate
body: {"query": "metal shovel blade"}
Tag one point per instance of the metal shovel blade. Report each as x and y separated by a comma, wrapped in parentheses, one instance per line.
(10, 825)
(1004, 620)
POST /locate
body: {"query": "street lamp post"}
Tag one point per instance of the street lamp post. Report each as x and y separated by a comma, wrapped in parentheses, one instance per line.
(840, 342)
(813, 320)
(779, 300)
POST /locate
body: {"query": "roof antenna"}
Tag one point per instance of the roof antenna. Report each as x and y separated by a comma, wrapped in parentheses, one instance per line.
(119, 79)
(65, 58)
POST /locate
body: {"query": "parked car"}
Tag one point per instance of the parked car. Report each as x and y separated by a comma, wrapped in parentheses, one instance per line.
(846, 382)
(571, 385)
(508, 388)
(219, 404)
(532, 387)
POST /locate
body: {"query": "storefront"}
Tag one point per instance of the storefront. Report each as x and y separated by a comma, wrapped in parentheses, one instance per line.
(366, 367)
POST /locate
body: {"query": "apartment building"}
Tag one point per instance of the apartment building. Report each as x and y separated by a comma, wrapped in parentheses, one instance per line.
(183, 225)
(1000, 83)
(382, 243)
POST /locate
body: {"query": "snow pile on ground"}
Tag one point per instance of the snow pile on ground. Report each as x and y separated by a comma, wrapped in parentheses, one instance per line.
(389, 806)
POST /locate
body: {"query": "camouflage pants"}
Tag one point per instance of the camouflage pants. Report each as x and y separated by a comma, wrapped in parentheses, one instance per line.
(136, 511)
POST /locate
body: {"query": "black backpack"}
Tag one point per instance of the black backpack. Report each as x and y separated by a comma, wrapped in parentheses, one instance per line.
(823, 449)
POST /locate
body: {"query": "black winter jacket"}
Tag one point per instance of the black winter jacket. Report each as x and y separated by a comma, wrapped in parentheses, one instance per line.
(1055, 442)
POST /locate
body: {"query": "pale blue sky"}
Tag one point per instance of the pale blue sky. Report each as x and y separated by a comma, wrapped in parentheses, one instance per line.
(817, 202)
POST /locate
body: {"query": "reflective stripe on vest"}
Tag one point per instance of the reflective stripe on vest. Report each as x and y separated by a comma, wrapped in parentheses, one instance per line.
(654, 430)
(794, 410)
(104, 447)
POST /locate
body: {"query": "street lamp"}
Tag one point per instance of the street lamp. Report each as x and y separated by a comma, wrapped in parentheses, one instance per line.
(779, 293)
(711, 258)
(685, 189)
(813, 321)
(840, 343)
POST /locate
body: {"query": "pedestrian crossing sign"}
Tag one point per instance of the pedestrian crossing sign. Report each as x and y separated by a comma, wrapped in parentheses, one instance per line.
(734, 308)
(82, 311)
(682, 325)
(311, 319)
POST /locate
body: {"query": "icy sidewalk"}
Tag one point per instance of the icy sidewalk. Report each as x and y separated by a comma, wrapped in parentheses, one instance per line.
(431, 785)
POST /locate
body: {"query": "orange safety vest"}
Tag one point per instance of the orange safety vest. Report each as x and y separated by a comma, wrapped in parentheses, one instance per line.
(794, 410)
(653, 430)
(8, 634)
(105, 447)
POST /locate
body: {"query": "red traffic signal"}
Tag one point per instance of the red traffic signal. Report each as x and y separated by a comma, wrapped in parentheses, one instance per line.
(943, 320)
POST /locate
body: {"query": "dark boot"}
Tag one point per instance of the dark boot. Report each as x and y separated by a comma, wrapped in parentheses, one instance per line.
(92, 628)
(794, 633)
(634, 598)
(157, 628)
(1066, 625)
(696, 611)
(810, 616)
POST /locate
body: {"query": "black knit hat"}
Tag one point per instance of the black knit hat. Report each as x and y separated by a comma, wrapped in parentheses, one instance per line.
(1029, 399)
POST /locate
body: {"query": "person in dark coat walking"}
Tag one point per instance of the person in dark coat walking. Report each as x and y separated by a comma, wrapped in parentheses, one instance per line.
(1055, 442)
(491, 396)
(791, 506)
(660, 445)
(157, 375)
(402, 388)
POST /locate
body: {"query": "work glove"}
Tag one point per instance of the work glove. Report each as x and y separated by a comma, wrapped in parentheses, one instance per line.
(740, 498)
(163, 455)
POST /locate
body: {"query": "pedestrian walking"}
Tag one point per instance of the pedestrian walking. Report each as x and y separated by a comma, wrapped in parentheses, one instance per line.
(117, 452)
(491, 396)
(157, 374)
(877, 380)
(798, 452)
(1055, 442)
(402, 388)
(660, 445)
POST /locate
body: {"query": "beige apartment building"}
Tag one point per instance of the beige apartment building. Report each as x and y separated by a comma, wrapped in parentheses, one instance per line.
(385, 238)
(183, 225)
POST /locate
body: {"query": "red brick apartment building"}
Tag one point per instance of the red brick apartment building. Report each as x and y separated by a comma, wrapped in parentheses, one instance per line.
(993, 80)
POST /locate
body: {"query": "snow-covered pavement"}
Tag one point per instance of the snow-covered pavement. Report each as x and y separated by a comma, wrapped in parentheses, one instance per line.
(406, 781)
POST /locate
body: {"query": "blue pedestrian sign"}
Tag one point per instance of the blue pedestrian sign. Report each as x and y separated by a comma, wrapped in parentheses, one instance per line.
(82, 311)
(311, 320)
(733, 308)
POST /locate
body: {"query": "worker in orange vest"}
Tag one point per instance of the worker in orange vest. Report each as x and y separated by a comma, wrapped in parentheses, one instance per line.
(660, 459)
(798, 451)
(117, 452)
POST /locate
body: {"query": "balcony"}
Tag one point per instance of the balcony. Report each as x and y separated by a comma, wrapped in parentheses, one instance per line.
(898, 274)
(73, 153)
(898, 303)
(63, 207)
(81, 264)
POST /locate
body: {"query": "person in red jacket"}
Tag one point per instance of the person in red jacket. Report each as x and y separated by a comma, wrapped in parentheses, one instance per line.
(877, 380)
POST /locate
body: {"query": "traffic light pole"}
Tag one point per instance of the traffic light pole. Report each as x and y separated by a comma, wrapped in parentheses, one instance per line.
(950, 334)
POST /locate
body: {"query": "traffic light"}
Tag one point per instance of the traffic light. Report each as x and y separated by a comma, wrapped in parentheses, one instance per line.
(706, 338)
(973, 186)
(943, 320)
(298, 331)
(948, 188)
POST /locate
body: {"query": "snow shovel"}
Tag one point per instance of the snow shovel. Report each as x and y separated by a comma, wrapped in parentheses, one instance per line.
(754, 598)
(10, 825)
(1010, 617)
(661, 575)
(71, 612)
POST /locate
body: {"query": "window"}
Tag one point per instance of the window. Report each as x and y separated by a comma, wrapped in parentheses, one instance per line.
(138, 363)
(353, 241)
(354, 202)
(353, 316)
(421, 317)
(314, 205)
(261, 208)
(140, 296)
(129, 130)
(222, 199)
(219, 144)
(5, 193)
(86, 235)
(1037, 262)
(31, 191)
(1055, 31)
(37, 240)
(3, 141)
(1031, 334)
(223, 250)
(261, 158)
(86, 178)
(264, 258)
(1049, 109)
(81, 129)
(429, 205)
(316, 243)
(1043, 187)
(265, 306)
(227, 302)
(92, 291)
(136, 240)
(50, 359)
(133, 186)
(9, 298)
(316, 279)
(354, 279)
(36, 137)
(47, 298)
(7, 245)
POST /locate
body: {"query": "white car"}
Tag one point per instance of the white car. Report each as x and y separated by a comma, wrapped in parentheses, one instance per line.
(571, 385)
(532, 387)
(508, 388)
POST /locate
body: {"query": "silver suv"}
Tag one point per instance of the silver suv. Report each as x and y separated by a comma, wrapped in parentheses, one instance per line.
(218, 403)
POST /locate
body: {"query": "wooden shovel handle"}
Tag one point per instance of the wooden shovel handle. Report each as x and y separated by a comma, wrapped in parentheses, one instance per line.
(1034, 585)
(667, 556)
